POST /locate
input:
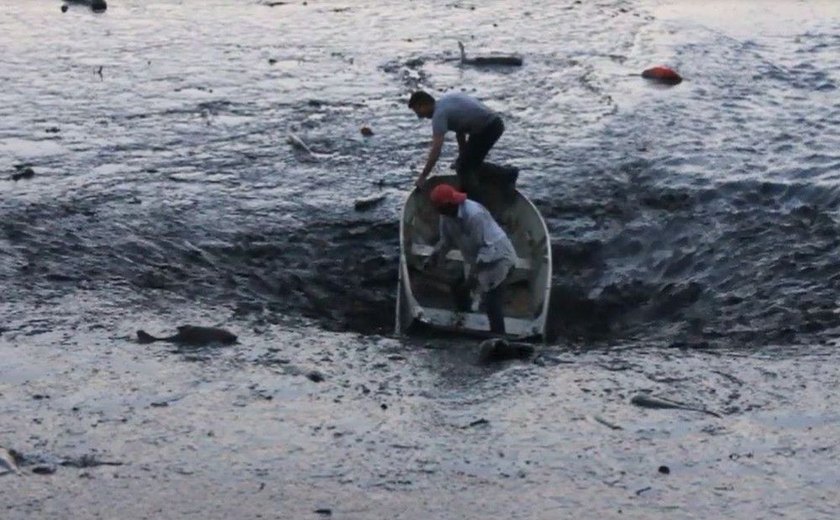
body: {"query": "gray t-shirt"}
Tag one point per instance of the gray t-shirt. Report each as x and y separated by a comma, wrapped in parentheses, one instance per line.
(460, 113)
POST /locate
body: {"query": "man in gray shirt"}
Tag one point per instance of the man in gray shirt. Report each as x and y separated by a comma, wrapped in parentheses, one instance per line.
(476, 127)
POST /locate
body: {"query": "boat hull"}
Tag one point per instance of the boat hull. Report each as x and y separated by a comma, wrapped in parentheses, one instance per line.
(425, 296)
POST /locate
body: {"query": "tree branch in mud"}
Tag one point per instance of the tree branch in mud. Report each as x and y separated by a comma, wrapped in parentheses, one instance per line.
(505, 61)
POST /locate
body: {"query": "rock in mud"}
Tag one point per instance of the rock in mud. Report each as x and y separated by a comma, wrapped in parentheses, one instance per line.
(23, 171)
(193, 336)
(498, 349)
(97, 6)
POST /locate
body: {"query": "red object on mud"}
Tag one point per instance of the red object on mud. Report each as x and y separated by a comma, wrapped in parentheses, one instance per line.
(662, 74)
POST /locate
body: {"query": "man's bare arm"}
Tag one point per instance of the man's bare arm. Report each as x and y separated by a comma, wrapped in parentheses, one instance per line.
(434, 155)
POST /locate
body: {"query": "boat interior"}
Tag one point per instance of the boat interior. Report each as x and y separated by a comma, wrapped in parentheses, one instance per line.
(525, 289)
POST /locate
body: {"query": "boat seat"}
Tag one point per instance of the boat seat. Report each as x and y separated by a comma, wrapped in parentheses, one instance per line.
(424, 250)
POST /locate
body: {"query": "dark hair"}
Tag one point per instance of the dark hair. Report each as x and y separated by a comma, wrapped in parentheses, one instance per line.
(419, 98)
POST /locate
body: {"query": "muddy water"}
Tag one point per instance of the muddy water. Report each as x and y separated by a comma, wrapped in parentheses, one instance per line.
(694, 232)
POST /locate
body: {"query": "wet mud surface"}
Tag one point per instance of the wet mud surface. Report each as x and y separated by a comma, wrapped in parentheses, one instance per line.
(408, 429)
(148, 179)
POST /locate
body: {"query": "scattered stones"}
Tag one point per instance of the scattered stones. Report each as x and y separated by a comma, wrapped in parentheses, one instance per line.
(315, 376)
(272, 61)
(324, 511)
(478, 422)
(665, 470)
(366, 131)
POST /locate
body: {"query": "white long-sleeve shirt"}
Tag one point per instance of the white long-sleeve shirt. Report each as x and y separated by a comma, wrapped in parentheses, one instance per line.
(474, 231)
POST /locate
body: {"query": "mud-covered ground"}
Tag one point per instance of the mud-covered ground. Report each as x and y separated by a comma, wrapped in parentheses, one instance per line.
(695, 236)
(405, 429)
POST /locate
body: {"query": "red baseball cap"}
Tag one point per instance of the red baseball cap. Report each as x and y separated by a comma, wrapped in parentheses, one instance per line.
(444, 194)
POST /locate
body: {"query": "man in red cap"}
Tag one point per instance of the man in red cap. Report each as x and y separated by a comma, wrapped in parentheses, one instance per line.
(486, 248)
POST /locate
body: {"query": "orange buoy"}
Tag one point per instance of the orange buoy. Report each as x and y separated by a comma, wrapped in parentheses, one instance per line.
(662, 74)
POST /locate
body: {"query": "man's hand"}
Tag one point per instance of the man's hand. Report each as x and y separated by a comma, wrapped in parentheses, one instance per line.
(434, 155)
(430, 261)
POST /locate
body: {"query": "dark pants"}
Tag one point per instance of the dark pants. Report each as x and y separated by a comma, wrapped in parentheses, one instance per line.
(495, 312)
(493, 304)
(476, 149)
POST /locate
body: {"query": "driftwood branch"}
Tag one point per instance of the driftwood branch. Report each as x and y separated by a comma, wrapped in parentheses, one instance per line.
(505, 61)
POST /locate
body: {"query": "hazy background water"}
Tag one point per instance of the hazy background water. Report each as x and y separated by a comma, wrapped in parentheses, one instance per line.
(693, 218)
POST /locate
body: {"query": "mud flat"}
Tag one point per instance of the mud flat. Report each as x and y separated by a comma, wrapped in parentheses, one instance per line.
(241, 431)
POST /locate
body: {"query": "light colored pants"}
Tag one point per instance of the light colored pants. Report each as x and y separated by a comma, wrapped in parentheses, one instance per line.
(491, 275)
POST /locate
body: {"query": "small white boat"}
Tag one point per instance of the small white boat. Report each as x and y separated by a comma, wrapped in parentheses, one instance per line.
(425, 296)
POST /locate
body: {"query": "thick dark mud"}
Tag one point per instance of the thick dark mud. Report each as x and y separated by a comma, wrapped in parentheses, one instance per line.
(184, 187)
(148, 180)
